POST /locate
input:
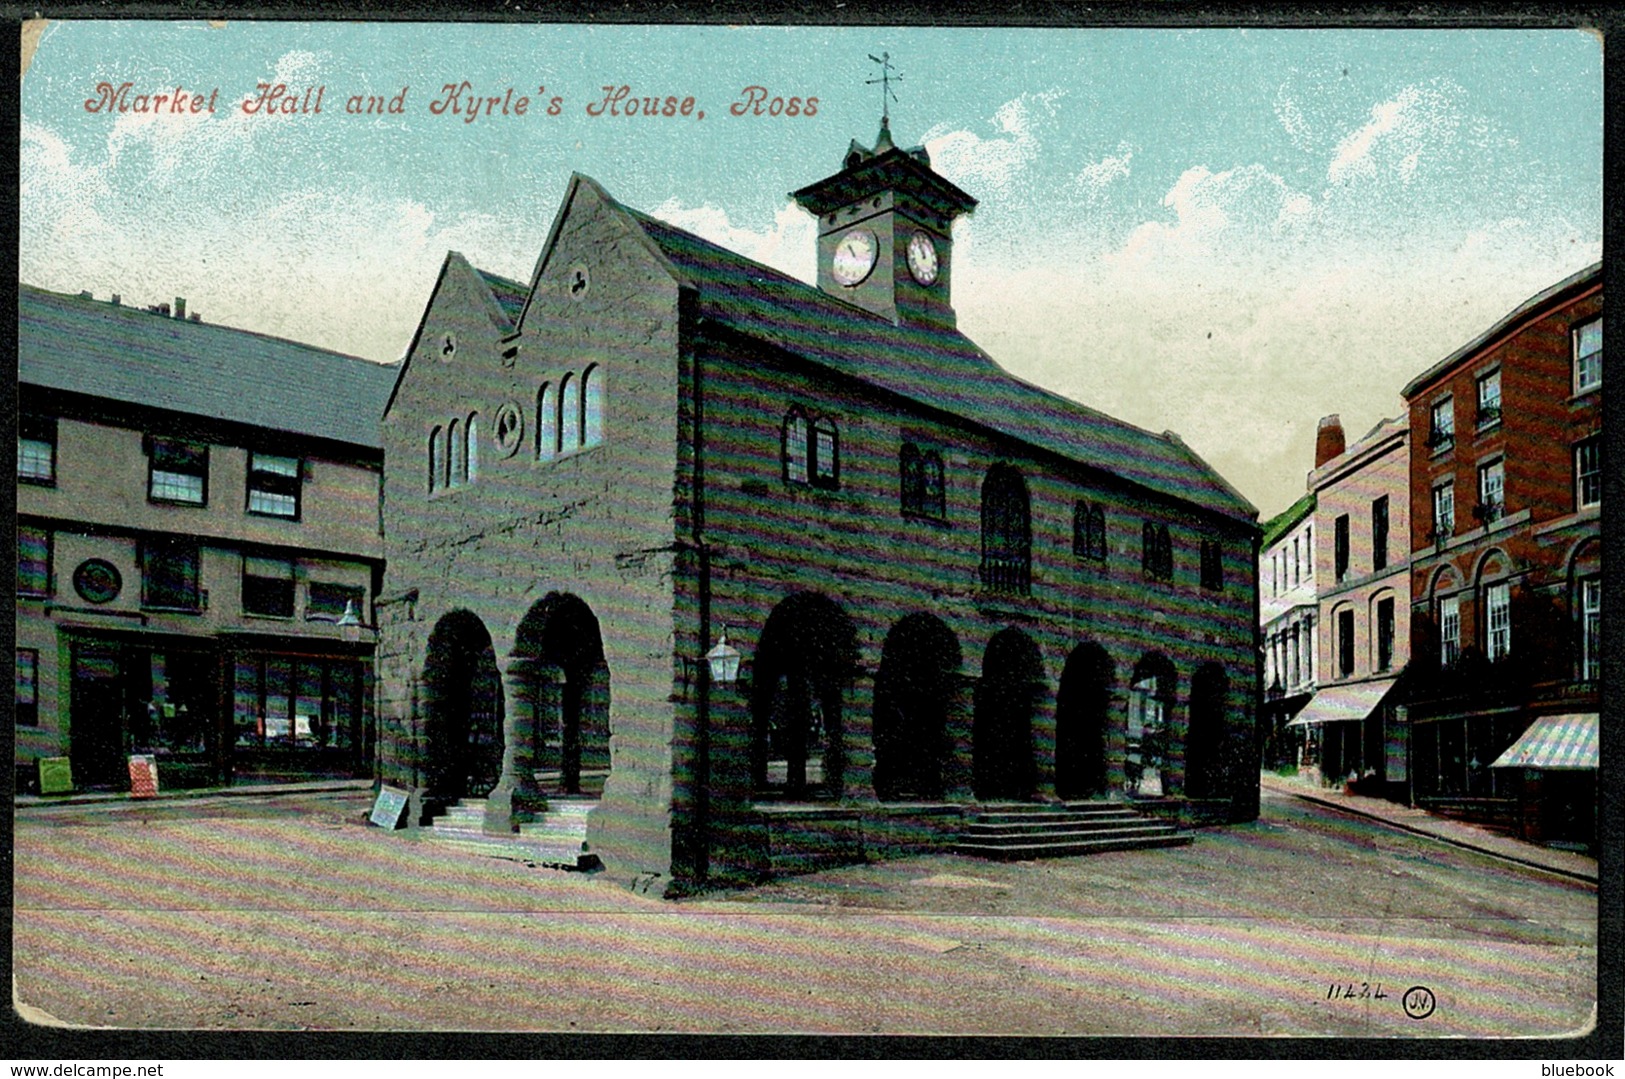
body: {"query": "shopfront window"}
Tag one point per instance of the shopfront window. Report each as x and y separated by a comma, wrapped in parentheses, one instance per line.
(291, 702)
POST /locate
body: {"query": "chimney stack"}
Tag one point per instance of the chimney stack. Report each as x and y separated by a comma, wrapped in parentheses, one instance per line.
(1329, 442)
(180, 307)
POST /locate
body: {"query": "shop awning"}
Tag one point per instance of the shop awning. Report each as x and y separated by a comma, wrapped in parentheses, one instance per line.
(1555, 742)
(1334, 704)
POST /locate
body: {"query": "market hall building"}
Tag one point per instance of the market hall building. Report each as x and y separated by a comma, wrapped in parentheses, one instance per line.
(197, 548)
(947, 587)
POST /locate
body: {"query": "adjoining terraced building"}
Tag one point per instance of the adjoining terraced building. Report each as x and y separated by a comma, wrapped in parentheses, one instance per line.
(947, 586)
(198, 547)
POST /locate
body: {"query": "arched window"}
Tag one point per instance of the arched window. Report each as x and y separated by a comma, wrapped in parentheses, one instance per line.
(794, 446)
(592, 406)
(1006, 531)
(911, 478)
(456, 459)
(547, 423)
(826, 454)
(436, 459)
(1088, 531)
(472, 457)
(569, 414)
(934, 499)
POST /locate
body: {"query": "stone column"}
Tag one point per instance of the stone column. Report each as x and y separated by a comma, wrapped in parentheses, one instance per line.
(858, 737)
(957, 765)
(1043, 741)
(1116, 744)
(517, 799)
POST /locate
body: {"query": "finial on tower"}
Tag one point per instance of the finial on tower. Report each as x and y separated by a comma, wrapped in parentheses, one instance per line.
(887, 96)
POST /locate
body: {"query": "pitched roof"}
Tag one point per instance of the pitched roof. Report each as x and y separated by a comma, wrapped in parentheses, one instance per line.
(131, 355)
(933, 365)
(1507, 323)
(1286, 520)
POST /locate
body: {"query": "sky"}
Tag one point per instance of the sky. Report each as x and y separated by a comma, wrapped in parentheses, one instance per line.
(1224, 233)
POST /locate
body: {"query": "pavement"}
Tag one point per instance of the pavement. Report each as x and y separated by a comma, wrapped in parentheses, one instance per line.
(1421, 822)
(241, 790)
(289, 913)
(1406, 818)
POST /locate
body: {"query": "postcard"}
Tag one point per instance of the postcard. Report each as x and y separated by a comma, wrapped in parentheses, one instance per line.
(631, 529)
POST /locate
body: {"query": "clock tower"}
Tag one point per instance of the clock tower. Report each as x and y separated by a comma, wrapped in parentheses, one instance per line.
(885, 231)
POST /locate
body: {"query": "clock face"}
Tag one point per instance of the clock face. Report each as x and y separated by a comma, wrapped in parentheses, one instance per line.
(922, 258)
(855, 256)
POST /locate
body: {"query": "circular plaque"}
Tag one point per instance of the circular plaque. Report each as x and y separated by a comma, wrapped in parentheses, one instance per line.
(510, 429)
(97, 581)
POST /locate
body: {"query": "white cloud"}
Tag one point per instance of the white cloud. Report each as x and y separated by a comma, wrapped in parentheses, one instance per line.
(1417, 122)
(1098, 175)
(61, 193)
(789, 246)
(1233, 213)
(993, 166)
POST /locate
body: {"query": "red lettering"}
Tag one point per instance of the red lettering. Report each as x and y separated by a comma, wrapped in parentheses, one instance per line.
(107, 98)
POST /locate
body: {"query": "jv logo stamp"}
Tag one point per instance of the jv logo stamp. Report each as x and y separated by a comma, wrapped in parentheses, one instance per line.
(1418, 1002)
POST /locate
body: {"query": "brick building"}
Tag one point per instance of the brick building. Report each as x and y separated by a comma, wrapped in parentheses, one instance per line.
(1506, 491)
(947, 586)
(197, 509)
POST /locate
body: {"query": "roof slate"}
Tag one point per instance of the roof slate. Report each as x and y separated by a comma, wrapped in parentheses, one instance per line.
(1286, 520)
(933, 365)
(509, 295)
(131, 355)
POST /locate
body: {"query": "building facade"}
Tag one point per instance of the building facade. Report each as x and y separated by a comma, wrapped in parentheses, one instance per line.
(1362, 510)
(947, 587)
(197, 547)
(1506, 492)
(1288, 619)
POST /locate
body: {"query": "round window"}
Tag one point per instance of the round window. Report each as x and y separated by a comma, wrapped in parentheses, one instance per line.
(97, 581)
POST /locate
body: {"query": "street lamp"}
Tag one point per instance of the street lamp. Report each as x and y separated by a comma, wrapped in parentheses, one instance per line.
(350, 622)
(723, 660)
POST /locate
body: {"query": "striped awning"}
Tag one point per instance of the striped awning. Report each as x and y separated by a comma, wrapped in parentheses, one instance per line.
(1332, 704)
(1555, 742)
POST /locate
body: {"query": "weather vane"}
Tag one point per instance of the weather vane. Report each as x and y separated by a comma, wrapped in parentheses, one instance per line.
(885, 81)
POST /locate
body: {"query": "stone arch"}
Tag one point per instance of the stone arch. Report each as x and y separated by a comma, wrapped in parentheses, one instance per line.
(801, 671)
(1002, 731)
(1153, 691)
(1492, 564)
(1205, 771)
(1443, 579)
(560, 669)
(918, 665)
(463, 710)
(1082, 716)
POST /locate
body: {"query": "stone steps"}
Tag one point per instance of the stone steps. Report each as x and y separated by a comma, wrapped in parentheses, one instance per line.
(1019, 832)
(558, 840)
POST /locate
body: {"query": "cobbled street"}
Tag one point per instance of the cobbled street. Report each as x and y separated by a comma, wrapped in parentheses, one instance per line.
(290, 913)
